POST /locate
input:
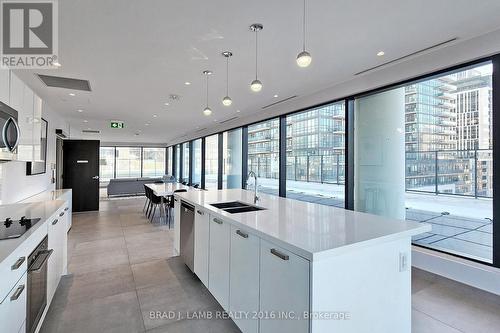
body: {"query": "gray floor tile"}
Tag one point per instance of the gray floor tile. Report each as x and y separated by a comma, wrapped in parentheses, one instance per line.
(423, 323)
(198, 326)
(97, 261)
(158, 272)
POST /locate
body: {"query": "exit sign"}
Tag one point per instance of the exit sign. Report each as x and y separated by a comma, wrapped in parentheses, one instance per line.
(117, 124)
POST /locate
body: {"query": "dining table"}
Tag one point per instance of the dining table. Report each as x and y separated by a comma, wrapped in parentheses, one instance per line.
(164, 190)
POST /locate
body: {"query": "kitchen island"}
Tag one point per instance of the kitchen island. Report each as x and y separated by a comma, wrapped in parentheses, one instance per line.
(301, 267)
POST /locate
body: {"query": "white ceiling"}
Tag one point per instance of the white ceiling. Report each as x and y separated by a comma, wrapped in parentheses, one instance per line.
(136, 53)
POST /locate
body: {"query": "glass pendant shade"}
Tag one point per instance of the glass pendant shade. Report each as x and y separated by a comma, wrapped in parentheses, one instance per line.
(227, 101)
(256, 85)
(304, 59)
(207, 111)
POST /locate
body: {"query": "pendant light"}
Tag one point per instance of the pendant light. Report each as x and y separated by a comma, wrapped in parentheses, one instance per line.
(227, 101)
(207, 111)
(256, 85)
(304, 58)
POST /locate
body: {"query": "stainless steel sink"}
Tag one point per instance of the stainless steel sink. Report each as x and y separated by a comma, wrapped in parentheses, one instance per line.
(234, 207)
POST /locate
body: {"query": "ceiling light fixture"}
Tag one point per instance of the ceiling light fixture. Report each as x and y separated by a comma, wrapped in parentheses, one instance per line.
(80, 110)
(155, 115)
(227, 101)
(85, 121)
(256, 85)
(72, 94)
(56, 64)
(304, 58)
(207, 111)
(187, 83)
(275, 96)
(380, 53)
(167, 104)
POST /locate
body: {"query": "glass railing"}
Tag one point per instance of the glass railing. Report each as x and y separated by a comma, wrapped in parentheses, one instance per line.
(457, 172)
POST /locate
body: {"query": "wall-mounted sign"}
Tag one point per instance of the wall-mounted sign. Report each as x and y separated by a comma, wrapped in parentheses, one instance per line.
(117, 124)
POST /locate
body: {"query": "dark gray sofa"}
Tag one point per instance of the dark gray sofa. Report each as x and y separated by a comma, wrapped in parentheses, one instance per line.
(129, 186)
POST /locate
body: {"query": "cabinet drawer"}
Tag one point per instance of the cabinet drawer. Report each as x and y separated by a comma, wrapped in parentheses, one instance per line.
(201, 245)
(284, 289)
(13, 307)
(11, 270)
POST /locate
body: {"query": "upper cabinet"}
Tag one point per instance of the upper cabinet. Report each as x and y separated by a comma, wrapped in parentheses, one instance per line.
(5, 86)
(29, 108)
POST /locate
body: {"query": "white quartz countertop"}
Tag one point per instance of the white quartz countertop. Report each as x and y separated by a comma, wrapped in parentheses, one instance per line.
(44, 210)
(311, 230)
(47, 195)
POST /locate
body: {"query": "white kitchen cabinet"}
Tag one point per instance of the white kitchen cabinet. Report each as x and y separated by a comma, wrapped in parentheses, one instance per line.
(13, 307)
(244, 279)
(201, 245)
(284, 289)
(5, 86)
(57, 242)
(218, 266)
(177, 226)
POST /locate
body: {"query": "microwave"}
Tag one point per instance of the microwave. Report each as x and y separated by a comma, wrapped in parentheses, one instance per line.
(10, 134)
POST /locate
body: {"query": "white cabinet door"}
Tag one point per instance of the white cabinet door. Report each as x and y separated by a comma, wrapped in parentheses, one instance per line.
(218, 266)
(13, 308)
(5, 86)
(177, 226)
(57, 237)
(284, 289)
(201, 245)
(244, 280)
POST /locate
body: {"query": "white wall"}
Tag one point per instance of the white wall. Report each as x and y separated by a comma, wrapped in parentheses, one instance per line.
(15, 185)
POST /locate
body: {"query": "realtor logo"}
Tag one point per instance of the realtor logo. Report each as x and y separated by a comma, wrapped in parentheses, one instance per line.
(29, 34)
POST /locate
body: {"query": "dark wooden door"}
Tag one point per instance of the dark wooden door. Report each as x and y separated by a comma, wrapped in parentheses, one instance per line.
(81, 173)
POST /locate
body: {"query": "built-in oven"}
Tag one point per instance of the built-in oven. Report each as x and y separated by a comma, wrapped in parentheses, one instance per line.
(37, 284)
(10, 134)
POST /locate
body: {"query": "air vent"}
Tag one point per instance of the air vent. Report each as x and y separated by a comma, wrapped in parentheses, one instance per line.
(227, 120)
(91, 131)
(278, 102)
(407, 56)
(65, 82)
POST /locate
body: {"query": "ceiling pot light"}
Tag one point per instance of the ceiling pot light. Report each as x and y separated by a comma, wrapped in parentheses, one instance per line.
(72, 94)
(56, 64)
(227, 101)
(80, 110)
(380, 53)
(304, 58)
(256, 85)
(207, 111)
(85, 121)
(187, 83)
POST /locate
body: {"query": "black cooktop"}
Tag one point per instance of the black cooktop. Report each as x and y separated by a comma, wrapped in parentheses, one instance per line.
(13, 229)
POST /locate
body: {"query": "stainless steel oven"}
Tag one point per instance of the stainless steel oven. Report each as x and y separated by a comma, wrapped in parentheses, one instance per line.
(9, 128)
(37, 285)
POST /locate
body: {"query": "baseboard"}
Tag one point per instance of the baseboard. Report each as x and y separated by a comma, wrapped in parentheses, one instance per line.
(467, 272)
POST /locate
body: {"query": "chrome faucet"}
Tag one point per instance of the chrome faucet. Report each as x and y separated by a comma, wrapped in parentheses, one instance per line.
(256, 197)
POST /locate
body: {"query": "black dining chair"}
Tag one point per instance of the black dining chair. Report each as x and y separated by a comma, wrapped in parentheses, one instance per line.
(171, 205)
(147, 199)
(156, 201)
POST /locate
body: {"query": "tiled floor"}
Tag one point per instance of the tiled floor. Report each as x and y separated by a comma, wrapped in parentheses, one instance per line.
(123, 272)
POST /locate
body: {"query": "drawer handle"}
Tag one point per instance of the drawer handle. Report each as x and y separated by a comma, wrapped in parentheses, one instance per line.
(241, 233)
(66, 209)
(18, 263)
(175, 200)
(17, 293)
(55, 222)
(279, 254)
(218, 221)
(200, 212)
(61, 214)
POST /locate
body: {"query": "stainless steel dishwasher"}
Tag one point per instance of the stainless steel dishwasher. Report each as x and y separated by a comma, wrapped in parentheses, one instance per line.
(187, 234)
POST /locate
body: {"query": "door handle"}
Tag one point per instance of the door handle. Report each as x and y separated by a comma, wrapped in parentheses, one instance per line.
(241, 233)
(95, 177)
(200, 212)
(18, 263)
(17, 293)
(40, 260)
(279, 254)
(65, 209)
(218, 221)
(55, 222)
(61, 214)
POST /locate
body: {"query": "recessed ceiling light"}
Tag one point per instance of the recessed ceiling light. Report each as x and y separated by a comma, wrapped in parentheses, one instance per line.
(155, 115)
(85, 121)
(80, 110)
(88, 128)
(167, 104)
(187, 83)
(56, 63)
(380, 53)
(146, 124)
(72, 94)
(238, 111)
(275, 96)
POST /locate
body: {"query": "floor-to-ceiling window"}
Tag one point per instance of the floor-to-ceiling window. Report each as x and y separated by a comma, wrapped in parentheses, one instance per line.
(169, 160)
(423, 152)
(232, 159)
(263, 154)
(153, 162)
(315, 155)
(211, 161)
(128, 162)
(178, 162)
(196, 176)
(185, 162)
(106, 163)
